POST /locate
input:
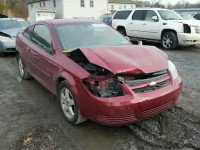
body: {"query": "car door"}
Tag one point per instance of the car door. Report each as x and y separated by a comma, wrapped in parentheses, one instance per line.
(24, 46)
(136, 26)
(42, 55)
(151, 27)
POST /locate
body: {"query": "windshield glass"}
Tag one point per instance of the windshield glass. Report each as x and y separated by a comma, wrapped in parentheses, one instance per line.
(73, 36)
(22, 24)
(169, 15)
(11, 24)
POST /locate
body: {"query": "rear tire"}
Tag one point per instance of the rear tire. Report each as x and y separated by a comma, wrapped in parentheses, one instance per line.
(69, 105)
(169, 40)
(22, 70)
(122, 31)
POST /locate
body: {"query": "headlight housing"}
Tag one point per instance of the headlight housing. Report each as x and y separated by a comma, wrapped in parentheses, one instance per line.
(5, 39)
(172, 69)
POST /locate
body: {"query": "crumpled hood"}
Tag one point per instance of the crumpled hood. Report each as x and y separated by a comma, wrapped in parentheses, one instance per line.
(127, 59)
(11, 32)
(188, 22)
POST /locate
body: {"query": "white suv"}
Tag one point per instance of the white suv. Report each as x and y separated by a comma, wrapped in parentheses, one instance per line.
(157, 25)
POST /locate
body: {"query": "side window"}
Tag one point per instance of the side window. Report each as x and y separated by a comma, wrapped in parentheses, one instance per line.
(139, 15)
(42, 37)
(149, 15)
(122, 14)
(27, 33)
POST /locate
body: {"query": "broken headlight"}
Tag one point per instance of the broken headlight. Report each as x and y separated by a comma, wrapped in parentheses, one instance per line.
(5, 39)
(172, 69)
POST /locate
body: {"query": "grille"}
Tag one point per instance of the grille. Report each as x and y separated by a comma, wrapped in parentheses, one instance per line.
(147, 78)
(158, 109)
(120, 119)
(197, 29)
(152, 88)
(162, 77)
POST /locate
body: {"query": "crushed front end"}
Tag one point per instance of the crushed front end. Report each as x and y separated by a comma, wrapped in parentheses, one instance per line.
(126, 97)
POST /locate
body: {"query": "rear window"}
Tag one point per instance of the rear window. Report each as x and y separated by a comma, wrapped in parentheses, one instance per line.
(139, 14)
(122, 14)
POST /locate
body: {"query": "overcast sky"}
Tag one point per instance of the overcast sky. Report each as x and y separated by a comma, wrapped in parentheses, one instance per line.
(175, 1)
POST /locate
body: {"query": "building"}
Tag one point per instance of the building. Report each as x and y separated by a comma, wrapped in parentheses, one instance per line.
(115, 5)
(93, 9)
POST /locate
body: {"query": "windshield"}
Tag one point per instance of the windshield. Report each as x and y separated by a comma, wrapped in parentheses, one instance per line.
(169, 15)
(12, 24)
(73, 36)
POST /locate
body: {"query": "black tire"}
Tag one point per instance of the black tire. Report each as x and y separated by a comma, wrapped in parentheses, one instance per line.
(77, 118)
(169, 41)
(25, 75)
(122, 31)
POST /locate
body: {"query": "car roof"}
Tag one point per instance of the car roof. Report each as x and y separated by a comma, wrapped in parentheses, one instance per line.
(69, 21)
(145, 8)
(11, 19)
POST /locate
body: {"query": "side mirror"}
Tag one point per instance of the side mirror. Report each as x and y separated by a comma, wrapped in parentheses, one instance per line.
(50, 50)
(155, 18)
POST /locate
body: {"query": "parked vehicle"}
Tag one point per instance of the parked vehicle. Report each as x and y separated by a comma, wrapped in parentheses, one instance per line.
(9, 28)
(39, 15)
(195, 12)
(157, 25)
(196, 16)
(107, 20)
(101, 76)
(187, 17)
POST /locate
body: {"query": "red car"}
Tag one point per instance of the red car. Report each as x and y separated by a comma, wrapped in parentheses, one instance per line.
(97, 73)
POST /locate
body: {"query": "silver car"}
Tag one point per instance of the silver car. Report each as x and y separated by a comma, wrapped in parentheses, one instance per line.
(9, 28)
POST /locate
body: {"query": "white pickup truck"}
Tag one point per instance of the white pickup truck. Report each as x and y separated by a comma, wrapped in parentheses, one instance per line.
(157, 25)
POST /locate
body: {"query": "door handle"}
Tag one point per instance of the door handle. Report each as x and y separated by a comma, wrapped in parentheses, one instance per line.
(131, 23)
(144, 24)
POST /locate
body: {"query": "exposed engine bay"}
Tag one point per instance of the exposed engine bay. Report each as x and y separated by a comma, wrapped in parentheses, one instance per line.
(101, 83)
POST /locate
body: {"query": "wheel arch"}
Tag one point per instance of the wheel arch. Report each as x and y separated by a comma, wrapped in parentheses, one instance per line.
(121, 27)
(167, 30)
(65, 77)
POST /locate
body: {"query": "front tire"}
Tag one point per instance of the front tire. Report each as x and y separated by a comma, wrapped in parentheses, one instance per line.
(69, 105)
(169, 40)
(22, 70)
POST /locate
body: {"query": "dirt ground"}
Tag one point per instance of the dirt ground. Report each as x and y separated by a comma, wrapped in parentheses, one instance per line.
(30, 118)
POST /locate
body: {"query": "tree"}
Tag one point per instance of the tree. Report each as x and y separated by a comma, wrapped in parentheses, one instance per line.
(17, 7)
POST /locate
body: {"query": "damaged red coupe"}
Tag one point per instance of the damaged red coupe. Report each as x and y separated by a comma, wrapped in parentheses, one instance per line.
(97, 73)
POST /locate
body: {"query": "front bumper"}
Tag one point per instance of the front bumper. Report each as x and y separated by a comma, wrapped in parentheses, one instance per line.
(129, 108)
(185, 39)
(8, 47)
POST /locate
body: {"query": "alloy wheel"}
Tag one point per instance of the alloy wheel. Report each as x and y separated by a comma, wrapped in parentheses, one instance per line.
(67, 103)
(21, 67)
(167, 41)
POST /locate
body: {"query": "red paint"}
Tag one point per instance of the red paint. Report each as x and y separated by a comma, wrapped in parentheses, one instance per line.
(132, 107)
(127, 59)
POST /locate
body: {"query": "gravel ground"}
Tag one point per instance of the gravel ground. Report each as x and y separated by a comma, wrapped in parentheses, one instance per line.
(30, 117)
